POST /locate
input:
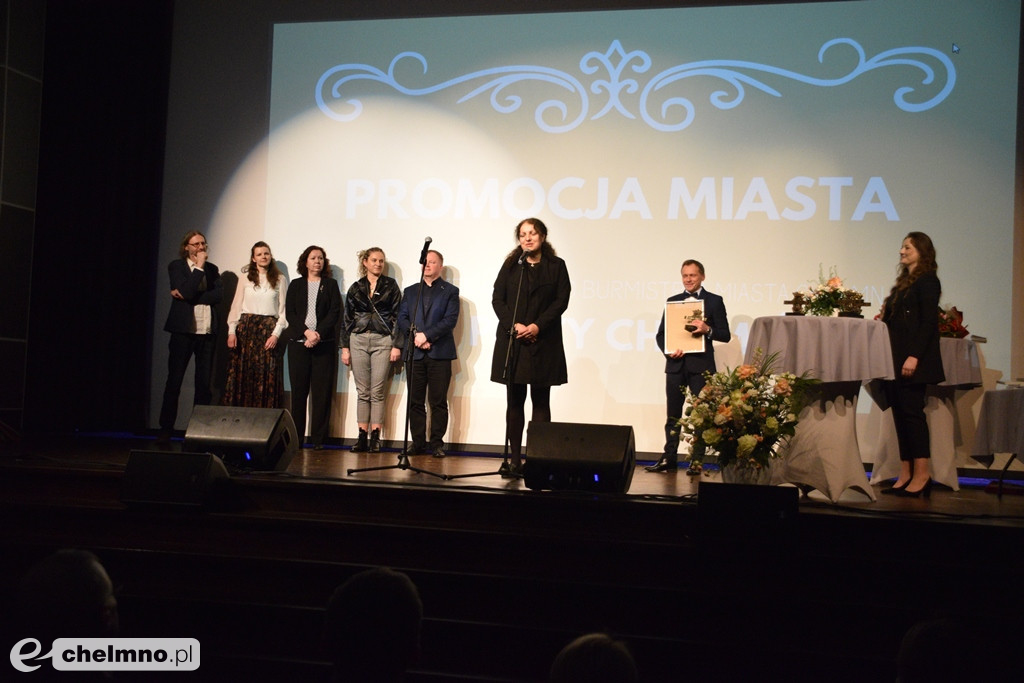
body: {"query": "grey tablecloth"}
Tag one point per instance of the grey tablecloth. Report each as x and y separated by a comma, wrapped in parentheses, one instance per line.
(960, 363)
(842, 353)
(832, 349)
(1001, 423)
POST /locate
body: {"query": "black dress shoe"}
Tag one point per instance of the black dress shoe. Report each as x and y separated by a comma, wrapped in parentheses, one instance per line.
(893, 490)
(694, 470)
(439, 452)
(663, 465)
(413, 450)
(925, 491)
(509, 470)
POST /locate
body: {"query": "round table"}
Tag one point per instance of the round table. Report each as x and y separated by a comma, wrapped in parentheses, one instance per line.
(843, 353)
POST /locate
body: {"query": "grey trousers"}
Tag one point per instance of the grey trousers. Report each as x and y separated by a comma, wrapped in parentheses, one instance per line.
(371, 362)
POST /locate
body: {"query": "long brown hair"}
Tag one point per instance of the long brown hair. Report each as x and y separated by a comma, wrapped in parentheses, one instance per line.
(273, 274)
(545, 247)
(926, 263)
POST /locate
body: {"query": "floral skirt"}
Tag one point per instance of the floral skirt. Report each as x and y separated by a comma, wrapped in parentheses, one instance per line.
(255, 379)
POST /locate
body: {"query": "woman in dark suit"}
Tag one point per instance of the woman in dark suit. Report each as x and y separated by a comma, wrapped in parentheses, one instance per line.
(911, 313)
(530, 294)
(313, 310)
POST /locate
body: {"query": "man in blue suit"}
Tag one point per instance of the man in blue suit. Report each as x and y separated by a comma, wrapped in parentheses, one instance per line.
(429, 312)
(684, 371)
(195, 291)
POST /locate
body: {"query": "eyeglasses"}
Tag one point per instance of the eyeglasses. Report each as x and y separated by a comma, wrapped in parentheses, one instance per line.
(197, 244)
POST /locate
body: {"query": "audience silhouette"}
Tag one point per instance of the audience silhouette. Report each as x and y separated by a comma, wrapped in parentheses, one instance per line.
(372, 626)
(594, 658)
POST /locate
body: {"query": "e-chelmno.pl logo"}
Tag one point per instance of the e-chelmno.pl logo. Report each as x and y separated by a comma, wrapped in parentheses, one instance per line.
(109, 654)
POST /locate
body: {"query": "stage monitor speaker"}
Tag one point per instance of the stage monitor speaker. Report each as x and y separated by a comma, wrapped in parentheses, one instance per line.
(579, 457)
(161, 478)
(746, 510)
(246, 438)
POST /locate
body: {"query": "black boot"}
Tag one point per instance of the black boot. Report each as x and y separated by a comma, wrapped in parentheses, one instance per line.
(360, 446)
(375, 441)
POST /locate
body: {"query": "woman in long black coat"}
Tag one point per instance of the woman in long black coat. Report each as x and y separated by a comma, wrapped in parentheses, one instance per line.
(530, 294)
(911, 313)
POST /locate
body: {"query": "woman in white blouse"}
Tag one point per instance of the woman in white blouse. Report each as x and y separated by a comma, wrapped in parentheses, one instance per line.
(255, 324)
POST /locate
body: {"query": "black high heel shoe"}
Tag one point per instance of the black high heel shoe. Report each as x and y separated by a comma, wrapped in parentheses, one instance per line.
(892, 490)
(925, 491)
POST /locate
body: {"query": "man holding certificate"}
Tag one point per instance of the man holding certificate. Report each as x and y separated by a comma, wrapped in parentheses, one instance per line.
(691, 322)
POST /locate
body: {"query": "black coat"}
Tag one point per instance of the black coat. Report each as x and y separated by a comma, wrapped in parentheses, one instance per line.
(912, 317)
(544, 297)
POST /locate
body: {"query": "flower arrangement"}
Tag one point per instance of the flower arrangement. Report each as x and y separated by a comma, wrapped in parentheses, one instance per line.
(951, 323)
(827, 295)
(743, 415)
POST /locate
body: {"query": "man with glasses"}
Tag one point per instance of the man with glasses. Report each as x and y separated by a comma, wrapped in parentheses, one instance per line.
(195, 289)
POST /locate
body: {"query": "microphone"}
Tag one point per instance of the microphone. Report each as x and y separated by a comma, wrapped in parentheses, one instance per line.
(522, 257)
(426, 246)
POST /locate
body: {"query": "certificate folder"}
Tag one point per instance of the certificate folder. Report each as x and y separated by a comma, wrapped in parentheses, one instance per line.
(679, 314)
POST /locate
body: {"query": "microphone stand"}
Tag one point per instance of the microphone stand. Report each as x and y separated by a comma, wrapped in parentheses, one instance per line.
(508, 374)
(407, 354)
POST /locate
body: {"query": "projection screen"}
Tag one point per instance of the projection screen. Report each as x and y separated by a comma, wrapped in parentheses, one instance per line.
(774, 143)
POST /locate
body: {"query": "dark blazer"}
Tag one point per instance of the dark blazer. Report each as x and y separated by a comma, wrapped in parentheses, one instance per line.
(438, 322)
(328, 308)
(181, 317)
(717, 320)
(544, 298)
(912, 317)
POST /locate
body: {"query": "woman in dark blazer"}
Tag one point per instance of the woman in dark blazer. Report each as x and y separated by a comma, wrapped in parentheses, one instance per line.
(911, 313)
(313, 310)
(530, 294)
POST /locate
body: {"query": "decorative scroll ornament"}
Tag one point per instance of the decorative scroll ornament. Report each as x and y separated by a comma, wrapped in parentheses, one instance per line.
(660, 104)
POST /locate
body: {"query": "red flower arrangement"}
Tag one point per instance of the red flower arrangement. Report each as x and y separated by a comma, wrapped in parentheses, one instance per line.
(951, 323)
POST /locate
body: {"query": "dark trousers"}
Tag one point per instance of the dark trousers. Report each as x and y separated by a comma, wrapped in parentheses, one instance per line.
(515, 415)
(311, 372)
(181, 349)
(907, 401)
(676, 384)
(429, 380)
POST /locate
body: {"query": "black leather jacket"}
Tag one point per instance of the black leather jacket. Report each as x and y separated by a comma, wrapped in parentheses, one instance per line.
(364, 315)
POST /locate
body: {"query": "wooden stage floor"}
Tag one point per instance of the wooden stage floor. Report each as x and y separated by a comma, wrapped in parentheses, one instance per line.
(975, 502)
